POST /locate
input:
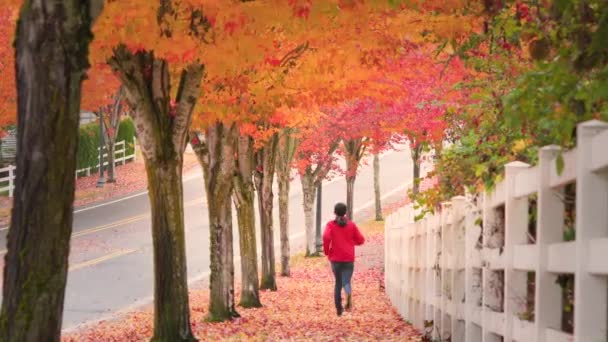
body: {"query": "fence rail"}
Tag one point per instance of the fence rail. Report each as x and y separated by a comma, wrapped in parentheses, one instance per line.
(120, 157)
(486, 268)
(7, 182)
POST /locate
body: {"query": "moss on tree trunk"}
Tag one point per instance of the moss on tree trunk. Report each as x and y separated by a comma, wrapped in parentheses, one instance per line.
(216, 155)
(264, 178)
(244, 198)
(250, 294)
(51, 45)
(221, 280)
(171, 309)
(162, 133)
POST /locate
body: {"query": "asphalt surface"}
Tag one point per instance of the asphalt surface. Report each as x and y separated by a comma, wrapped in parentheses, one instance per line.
(111, 265)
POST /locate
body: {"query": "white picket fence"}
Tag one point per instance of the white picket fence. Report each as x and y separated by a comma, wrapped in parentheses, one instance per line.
(466, 268)
(120, 157)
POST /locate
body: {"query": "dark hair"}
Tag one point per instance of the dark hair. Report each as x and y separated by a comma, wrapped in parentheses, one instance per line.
(340, 211)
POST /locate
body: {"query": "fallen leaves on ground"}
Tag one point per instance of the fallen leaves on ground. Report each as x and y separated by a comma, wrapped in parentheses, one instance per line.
(301, 310)
(130, 178)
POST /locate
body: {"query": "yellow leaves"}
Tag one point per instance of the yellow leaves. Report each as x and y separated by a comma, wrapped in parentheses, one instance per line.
(520, 145)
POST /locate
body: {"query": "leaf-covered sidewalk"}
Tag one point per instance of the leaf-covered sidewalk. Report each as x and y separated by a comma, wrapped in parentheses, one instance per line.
(301, 310)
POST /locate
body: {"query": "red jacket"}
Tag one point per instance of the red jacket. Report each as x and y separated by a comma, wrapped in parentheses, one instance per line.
(339, 242)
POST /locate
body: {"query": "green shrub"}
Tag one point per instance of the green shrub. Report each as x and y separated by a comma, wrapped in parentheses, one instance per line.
(88, 142)
(126, 132)
(88, 155)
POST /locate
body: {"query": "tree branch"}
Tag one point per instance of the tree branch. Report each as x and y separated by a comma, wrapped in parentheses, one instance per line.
(133, 69)
(294, 54)
(187, 95)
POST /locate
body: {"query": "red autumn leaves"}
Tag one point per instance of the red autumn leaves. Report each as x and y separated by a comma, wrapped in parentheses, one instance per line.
(302, 309)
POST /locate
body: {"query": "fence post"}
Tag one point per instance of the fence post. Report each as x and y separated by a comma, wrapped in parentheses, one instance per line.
(388, 225)
(446, 282)
(11, 180)
(437, 275)
(590, 291)
(549, 227)
(123, 152)
(489, 297)
(457, 244)
(419, 291)
(472, 260)
(516, 233)
(409, 280)
(426, 269)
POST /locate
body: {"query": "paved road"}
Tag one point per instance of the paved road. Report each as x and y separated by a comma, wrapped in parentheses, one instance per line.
(111, 266)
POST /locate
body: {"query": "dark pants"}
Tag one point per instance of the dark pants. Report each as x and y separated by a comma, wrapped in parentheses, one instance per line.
(343, 272)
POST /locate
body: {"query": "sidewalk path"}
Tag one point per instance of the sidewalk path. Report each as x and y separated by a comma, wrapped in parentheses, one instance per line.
(301, 310)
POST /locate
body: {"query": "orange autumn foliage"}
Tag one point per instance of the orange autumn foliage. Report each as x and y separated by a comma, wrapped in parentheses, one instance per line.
(99, 88)
(8, 90)
(341, 56)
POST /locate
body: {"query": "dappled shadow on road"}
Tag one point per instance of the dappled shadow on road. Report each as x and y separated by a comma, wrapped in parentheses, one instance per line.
(302, 309)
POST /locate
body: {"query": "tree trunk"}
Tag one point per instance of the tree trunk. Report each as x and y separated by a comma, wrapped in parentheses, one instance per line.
(163, 131)
(216, 156)
(354, 151)
(221, 280)
(416, 154)
(112, 123)
(264, 179)
(250, 294)
(111, 148)
(350, 195)
(309, 191)
(244, 197)
(283, 178)
(377, 194)
(171, 319)
(285, 154)
(51, 60)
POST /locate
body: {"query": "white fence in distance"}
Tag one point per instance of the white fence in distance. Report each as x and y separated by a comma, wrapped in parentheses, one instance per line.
(9, 178)
(466, 267)
(120, 157)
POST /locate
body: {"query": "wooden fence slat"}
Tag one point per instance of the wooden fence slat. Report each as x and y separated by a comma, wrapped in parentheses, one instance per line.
(591, 292)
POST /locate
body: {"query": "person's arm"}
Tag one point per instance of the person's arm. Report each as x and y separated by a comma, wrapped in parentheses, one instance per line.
(326, 239)
(359, 239)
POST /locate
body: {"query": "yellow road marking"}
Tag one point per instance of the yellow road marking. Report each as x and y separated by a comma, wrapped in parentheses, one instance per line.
(101, 259)
(125, 221)
(110, 225)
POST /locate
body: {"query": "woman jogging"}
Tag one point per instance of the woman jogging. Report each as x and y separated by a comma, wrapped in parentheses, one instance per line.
(339, 240)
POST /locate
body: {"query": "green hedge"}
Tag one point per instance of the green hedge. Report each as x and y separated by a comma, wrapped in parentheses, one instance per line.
(88, 142)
